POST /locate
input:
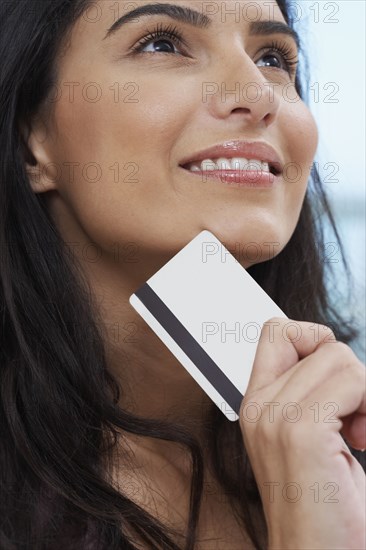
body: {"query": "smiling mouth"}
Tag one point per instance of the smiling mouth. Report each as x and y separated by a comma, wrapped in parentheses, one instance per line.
(232, 165)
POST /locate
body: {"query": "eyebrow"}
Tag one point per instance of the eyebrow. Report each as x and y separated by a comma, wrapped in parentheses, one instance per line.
(196, 19)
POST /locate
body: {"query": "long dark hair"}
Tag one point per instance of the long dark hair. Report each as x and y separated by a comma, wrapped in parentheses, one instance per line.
(59, 413)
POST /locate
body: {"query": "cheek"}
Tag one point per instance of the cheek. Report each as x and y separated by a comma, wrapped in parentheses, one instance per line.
(139, 124)
(131, 143)
(301, 139)
(156, 121)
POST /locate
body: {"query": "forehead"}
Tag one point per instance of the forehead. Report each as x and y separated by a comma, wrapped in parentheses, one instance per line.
(102, 15)
(87, 41)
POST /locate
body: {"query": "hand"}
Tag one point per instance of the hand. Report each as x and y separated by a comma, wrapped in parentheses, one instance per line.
(312, 488)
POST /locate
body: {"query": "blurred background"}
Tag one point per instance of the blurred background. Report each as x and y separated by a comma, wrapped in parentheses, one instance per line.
(333, 34)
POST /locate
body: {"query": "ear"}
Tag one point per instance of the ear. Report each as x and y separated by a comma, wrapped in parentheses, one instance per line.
(41, 170)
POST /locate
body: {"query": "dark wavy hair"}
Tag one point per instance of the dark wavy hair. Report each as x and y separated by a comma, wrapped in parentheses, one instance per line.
(59, 413)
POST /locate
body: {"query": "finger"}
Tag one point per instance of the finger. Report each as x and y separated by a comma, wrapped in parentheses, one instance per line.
(282, 343)
(311, 372)
(346, 393)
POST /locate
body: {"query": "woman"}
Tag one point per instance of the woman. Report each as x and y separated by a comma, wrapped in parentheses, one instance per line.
(106, 441)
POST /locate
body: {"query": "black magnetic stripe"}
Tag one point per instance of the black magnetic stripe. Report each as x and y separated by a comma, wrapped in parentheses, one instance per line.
(190, 346)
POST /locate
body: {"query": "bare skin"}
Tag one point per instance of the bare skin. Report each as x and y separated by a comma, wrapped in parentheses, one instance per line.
(151, 219)
(162, 488)
(163, 211)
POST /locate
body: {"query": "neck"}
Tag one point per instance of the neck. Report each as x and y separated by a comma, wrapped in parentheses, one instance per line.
(153, 382)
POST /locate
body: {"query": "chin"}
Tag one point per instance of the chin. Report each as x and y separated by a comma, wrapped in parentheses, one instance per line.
(249, 243)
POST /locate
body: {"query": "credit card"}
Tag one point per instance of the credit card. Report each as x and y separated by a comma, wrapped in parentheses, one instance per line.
(209, 312)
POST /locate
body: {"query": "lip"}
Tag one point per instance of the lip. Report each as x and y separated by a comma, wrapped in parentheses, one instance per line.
(237, 179)
(252, 150)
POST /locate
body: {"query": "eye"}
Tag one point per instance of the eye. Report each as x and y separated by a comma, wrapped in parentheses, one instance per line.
(164, 38)
(282, 55)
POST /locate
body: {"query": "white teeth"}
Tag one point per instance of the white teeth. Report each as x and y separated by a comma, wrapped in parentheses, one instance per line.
(208, 165)
(237, 163)
(253, 165)
(223, 164)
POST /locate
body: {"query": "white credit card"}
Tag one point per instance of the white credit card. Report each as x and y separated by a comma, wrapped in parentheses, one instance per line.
(209, 312)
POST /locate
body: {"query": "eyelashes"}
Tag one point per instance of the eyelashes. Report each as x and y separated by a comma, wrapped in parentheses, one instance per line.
(286, 53)
(161, 31)
(171, 33)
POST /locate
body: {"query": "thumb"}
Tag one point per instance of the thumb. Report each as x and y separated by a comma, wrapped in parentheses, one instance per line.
(282, 344)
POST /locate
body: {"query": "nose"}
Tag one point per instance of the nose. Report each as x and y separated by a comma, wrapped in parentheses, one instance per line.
(241, 92)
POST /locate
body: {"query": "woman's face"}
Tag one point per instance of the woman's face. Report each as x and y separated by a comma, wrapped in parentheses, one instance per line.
(124, 121)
